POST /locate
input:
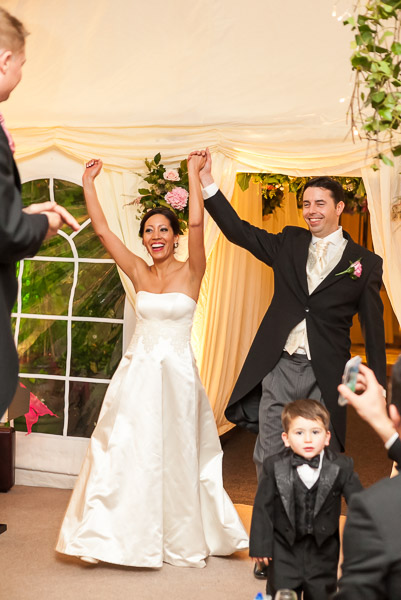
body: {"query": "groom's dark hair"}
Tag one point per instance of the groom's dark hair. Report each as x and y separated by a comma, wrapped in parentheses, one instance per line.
(327, 183)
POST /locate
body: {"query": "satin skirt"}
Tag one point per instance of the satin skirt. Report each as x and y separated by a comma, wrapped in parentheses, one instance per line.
(150, 489)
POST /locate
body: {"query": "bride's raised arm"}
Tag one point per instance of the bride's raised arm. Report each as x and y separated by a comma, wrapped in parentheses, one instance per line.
(129, 262)
(196, 248)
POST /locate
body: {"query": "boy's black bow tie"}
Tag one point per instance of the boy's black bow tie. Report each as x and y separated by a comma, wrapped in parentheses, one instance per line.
(298, 460)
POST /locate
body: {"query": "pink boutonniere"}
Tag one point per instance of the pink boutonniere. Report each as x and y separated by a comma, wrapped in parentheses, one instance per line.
(354, 270)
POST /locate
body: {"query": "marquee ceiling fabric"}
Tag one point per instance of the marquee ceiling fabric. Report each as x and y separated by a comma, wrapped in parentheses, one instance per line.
(252, 78)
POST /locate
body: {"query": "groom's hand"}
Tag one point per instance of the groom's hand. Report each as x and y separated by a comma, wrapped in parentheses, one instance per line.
(205, 174)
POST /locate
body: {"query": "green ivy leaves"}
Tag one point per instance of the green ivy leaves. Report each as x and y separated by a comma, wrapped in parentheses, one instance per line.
(376, 101)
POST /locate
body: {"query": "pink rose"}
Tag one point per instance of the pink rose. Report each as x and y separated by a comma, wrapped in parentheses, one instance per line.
(357, 269)
(177, 198)
(171, 175)
(354, 270)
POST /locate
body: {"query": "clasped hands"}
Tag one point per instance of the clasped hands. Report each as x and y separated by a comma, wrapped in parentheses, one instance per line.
(56, 215)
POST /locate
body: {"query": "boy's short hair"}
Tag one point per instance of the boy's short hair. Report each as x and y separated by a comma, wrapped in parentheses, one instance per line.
(306, 408)
(12, 32)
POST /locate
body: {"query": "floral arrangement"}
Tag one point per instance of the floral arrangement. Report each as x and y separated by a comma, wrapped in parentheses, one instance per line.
(272, 186)
(167, 187)
(354, 194)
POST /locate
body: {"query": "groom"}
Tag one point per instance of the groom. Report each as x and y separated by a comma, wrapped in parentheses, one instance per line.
(303, 342)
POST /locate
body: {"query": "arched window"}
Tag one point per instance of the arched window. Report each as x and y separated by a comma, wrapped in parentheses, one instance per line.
(68, 318)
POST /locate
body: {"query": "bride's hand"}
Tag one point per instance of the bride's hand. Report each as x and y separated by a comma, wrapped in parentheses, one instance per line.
(197, 160)
(93, 168)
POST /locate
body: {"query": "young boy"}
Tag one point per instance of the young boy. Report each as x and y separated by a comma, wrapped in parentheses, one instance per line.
(295, 521)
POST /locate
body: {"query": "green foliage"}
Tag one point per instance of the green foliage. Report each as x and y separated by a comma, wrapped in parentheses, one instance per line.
(46, 287)
(243, 180)
(273, 186)
(96, 349)
(154, 196)
(375, 107)
(99, 292)
(42, 346)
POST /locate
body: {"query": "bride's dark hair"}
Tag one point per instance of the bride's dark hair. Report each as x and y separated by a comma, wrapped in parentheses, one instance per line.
(166, 212)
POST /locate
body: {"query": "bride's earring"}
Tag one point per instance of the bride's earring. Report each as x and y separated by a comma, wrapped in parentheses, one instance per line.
(175, 245)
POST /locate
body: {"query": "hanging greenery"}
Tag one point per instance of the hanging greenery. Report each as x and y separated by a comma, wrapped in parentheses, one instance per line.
(375, 106)
(273, 186)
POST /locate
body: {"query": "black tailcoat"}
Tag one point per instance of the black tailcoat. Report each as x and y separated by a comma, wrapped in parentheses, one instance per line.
(20, 236)
(274, 506)
(328, 311)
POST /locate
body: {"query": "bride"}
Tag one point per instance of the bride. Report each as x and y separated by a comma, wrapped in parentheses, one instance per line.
(150, 488)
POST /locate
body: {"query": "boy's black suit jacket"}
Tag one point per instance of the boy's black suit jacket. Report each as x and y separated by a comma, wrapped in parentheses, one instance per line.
(274, 506)
(328, 311)
(20, 237)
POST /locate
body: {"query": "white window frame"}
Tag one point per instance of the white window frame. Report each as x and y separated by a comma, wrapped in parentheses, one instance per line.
(46, 459)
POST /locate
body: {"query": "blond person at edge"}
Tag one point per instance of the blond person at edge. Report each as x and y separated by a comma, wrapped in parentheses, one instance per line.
(21, 230)
(150, 489)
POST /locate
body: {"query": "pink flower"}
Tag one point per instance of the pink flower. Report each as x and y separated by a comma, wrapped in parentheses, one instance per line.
(357, 269)
(354, 270)
(177, 198)
(171, 175)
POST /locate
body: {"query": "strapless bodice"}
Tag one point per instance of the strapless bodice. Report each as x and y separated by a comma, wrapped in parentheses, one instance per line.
(170, 306)
(163, 319)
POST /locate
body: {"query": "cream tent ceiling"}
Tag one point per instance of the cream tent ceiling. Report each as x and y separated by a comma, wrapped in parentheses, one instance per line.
(259, 80)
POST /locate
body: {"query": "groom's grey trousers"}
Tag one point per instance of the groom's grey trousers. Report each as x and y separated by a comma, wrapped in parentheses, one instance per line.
(292, 378)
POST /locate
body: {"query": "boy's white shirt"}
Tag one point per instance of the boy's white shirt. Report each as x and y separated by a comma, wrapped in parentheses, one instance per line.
(308, 475)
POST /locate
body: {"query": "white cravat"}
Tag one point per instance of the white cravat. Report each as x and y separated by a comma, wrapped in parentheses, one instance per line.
(322, 257)
(321, 254)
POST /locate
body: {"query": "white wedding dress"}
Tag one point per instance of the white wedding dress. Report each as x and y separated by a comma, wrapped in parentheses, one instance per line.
(150, 488)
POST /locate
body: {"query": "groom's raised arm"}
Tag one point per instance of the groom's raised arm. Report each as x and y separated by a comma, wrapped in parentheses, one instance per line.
(260, 243)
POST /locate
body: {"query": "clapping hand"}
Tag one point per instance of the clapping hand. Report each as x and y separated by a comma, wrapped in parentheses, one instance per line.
(56, 215)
